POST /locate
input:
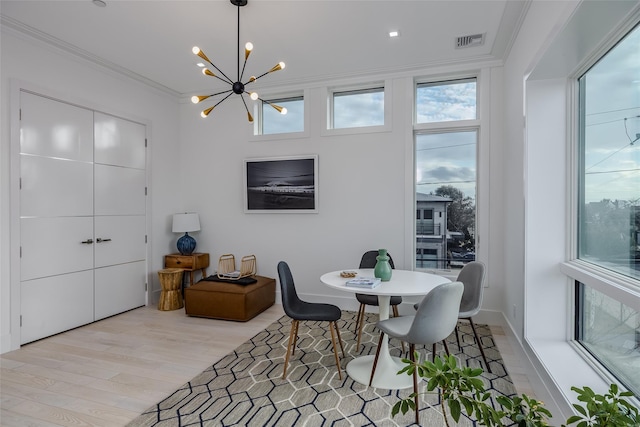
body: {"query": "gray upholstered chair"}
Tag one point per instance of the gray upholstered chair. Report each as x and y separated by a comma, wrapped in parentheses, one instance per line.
(299, 310)
(434, 321)
(472, 276)
(369, 261)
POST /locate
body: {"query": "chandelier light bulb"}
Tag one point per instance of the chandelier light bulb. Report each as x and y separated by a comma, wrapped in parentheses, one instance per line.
(208, 72)
(282, 65)
(206, 112)
(247, 50)
(254, 95)
(284, 111)
(195, 99)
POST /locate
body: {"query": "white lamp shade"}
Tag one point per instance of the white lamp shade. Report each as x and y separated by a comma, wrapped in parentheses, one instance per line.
(186, 222)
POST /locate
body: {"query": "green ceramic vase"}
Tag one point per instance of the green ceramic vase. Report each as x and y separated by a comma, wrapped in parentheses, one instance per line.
(382, 268)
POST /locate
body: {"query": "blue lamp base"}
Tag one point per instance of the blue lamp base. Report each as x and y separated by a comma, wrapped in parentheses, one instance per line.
(186, 244)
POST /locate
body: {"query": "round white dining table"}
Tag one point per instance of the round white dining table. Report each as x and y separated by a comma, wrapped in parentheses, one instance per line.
(402, 283)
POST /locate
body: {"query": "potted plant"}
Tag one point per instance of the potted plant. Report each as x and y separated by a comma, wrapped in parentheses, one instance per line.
(462, 389)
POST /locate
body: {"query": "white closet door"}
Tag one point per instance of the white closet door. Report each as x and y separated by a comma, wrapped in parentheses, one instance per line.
(120, 221)
(119, 142)
(53, 187)
(56, 215)
(54, 129)
(54, 246)
(119, 239)
(55, 304)
(83, 216)
(119, 190)
(119, 288)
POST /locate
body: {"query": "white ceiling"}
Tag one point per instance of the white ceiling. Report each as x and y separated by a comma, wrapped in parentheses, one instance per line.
(317, 39)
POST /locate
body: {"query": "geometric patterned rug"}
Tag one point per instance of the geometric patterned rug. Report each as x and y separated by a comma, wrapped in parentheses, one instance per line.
(245, 388)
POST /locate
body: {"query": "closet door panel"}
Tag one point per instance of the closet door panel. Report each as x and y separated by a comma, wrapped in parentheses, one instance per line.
(52, 246)
(55, 304)
(119, 142)
(55, 187)
(119, 239)
(119, 191)
(119, 288)
(55, 129)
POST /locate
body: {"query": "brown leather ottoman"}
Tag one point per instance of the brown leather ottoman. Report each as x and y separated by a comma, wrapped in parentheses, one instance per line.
(230, 301)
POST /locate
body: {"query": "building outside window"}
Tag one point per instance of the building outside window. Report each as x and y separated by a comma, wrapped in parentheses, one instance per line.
(608, 208)
(446, 172)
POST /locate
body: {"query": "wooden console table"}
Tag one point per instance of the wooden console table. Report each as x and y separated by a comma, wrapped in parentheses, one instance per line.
(190, 263)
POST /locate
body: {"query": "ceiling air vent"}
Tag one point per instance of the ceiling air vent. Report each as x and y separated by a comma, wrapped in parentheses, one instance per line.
(470, 41)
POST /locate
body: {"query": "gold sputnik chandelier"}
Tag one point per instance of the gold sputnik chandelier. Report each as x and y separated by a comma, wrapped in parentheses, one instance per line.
(237, 87)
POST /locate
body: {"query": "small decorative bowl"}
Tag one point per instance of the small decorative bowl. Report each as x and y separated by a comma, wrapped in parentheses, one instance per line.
(348, 274)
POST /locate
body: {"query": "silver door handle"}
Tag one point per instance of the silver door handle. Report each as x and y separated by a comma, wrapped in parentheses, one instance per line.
(87, 242)
(98, 240)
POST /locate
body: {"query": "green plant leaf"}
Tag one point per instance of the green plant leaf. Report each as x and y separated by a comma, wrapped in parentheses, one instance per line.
(580, 409)
(454, 407)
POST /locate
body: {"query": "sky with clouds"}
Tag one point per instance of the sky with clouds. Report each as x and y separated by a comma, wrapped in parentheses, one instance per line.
(612, 124)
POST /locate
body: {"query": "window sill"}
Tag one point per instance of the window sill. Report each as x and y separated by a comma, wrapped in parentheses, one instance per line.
(565, 367)
(355, 130)
(279, 136)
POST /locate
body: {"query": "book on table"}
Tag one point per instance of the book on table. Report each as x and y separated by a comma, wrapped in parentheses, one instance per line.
(363, 282)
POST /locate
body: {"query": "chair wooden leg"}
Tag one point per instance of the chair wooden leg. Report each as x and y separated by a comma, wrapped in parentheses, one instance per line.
(340, 339)
(458, 338)
(375, 360)
(475, 334)
(295, 337)
(358, 317)
(291, 339)
(360, 325)
(395, 314)
(332, 326)
(412, 349)
(433, 354)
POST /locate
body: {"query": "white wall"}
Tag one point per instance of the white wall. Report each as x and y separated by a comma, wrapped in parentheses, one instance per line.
(365, 189)
(361, 192)
(52, 72)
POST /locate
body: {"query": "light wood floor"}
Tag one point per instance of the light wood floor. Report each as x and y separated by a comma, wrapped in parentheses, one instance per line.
(107, 373)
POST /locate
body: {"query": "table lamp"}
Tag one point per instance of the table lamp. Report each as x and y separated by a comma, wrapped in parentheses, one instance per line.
(184, 223)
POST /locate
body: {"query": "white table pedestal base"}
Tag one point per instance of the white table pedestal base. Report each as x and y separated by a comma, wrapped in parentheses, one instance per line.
(386, 375)
(360, 370)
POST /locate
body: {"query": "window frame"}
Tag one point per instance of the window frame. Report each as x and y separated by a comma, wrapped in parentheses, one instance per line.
(442, 82)
(482, 126)
(610, 283)
(327, 128)
(258, 136)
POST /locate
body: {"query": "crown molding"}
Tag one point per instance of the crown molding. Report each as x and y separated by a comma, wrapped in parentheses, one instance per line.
(20, 28)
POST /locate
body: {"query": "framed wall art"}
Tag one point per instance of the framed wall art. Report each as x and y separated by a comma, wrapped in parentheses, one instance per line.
(281, 184)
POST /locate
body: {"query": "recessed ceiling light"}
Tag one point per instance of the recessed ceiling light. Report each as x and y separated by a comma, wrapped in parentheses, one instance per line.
(393, 34)
(99, 3)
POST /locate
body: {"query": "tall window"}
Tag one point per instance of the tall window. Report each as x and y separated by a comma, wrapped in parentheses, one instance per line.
(609, 205)
(445, 164)
(358, 108)
(274, 122)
